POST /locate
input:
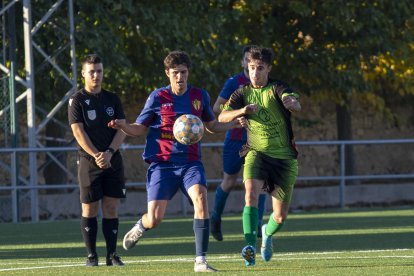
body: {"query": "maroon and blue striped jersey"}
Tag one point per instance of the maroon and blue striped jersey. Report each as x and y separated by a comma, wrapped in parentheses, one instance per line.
(161, 110)
(231, 85)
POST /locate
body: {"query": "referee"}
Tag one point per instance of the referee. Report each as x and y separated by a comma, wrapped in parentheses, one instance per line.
(100, 167)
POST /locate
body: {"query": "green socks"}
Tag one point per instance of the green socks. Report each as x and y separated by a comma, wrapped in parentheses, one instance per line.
(272, 226)
(250, 224)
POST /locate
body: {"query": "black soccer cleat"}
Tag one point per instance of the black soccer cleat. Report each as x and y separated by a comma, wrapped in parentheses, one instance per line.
(92, 260)
(114, 259)
(216, 229)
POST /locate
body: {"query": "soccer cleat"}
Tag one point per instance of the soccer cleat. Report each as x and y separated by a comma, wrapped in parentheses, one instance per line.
(249, 263)
(216, 229)
(259, 231)
(114, 259)
(249, 255)
(132, 237)
(92, 260)
(267, 246)
(203, 267)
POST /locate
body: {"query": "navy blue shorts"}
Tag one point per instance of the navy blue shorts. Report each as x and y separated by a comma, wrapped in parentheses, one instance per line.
(232, 162)
(165, 178)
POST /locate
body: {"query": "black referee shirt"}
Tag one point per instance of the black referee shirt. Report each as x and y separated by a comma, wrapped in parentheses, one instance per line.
(95, 111)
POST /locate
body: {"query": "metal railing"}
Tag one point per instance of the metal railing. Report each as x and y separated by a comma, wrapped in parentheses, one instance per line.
(341, 177)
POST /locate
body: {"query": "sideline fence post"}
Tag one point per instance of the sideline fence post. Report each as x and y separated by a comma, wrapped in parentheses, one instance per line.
(343, 176)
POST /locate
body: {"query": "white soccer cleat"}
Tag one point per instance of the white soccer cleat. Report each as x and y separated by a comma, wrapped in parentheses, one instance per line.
(203, 267)
(267, 245)
(132, 237)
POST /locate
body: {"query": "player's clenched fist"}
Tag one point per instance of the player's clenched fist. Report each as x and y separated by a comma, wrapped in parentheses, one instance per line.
(291, 103)
(117, 124)
(242, 121)
(250, 108)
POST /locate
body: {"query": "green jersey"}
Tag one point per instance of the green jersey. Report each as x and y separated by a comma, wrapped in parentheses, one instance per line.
(270, 128)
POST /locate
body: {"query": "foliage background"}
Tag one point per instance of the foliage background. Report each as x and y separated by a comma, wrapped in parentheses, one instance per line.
(334, 50)
(352, 61)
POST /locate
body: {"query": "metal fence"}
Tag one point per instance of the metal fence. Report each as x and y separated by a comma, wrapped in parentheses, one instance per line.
(32, 190)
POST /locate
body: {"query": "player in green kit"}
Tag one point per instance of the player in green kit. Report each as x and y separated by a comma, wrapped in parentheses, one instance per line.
(264, 107)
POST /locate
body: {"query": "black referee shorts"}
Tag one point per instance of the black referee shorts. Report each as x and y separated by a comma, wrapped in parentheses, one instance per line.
(94, 182)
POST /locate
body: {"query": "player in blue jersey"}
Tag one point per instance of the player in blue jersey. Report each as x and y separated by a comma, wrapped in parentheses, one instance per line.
(232, 163)
(173, 165)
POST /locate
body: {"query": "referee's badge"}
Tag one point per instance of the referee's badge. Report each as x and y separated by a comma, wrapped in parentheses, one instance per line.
(91, 115)
(110, 111)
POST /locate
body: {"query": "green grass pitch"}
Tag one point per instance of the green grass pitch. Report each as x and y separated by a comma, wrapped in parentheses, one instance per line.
(333, 242)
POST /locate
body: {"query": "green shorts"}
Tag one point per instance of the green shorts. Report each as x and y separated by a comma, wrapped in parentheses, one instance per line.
(275, 172)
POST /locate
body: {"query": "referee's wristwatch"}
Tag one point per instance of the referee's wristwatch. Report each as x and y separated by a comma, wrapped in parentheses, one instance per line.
(111, 150)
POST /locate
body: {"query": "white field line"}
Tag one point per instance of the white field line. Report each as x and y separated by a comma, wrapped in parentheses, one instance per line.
(229, 258)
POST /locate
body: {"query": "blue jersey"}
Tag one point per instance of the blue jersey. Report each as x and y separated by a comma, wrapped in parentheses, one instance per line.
(231, 85)
(161, 110)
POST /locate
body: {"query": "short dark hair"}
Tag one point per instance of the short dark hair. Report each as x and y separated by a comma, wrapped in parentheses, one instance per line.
(261, 53)
(247, 48)
(91, 59)
(175, 58)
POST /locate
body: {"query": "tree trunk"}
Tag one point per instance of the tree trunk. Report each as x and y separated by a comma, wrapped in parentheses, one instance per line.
(344, 128)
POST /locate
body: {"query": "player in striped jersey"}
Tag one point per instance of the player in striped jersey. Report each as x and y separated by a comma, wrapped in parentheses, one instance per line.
(173, 165)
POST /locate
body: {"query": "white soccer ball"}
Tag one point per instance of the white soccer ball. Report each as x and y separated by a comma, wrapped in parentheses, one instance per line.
(188, 129)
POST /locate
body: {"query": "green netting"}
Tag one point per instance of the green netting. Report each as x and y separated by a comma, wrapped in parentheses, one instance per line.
(4, 110)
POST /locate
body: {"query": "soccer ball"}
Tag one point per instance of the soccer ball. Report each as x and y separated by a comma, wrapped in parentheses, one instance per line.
(188, 129)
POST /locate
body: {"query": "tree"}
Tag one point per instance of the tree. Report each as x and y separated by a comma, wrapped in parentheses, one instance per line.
(337, 50)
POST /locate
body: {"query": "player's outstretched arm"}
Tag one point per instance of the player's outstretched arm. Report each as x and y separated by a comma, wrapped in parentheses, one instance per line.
(129, 129)
(215, 126)
(231, 115)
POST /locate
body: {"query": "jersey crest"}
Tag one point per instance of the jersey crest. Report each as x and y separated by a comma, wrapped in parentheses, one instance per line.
(197, 104)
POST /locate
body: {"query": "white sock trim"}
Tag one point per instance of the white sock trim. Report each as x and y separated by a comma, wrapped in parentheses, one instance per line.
(200, 259)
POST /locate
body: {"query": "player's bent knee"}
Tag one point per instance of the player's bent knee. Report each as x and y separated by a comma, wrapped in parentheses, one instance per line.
(200, 200)
(90, 210)
(251, 199)
(110, 211)
(110, 214)
(229, 181)
(227, 186)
